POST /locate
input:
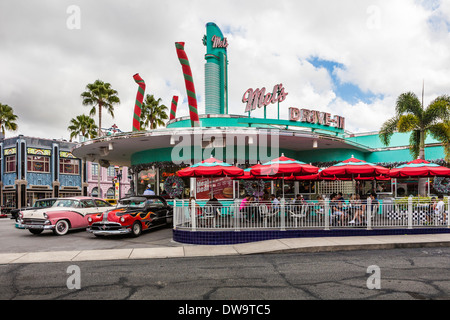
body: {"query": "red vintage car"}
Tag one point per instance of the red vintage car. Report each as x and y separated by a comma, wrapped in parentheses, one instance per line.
(131, 216)
(64, 215)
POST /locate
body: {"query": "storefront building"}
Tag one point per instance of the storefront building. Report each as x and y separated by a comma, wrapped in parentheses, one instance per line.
(35, 168)
(311, 136)
(113, 181)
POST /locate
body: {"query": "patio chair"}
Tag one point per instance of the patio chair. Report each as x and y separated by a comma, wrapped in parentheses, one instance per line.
(208, 217)
(298, 212)
(266, 213)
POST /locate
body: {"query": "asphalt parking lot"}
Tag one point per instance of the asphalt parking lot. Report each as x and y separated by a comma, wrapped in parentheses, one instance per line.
(21, 240)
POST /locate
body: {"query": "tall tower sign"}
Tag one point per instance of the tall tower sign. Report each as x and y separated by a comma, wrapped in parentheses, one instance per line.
(216, 70)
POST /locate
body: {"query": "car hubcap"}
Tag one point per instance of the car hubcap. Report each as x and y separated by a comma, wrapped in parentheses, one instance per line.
(61, 227)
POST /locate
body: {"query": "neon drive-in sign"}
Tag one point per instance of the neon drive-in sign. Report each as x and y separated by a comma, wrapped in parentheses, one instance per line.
(259, 98)
(219, 43)
(316, 117)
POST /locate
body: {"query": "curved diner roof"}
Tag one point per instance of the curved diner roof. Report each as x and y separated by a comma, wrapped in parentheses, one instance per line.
(295, 140)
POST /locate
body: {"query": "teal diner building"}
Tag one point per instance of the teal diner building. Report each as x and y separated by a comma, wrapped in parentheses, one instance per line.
(311, 136)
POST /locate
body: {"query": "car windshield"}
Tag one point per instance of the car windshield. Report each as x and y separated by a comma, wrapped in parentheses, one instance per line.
(43, 203)
(136, 202)
(66, 203)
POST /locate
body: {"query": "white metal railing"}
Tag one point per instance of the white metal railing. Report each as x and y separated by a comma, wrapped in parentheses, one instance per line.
(307, 215)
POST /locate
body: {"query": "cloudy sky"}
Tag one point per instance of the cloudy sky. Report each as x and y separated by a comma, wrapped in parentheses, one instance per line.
(350, 58)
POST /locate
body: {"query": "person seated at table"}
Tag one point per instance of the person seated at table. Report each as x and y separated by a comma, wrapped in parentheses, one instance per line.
(438, 208)
(374, 202)
(252, 206)
(198, 209)
(319, 199)
(320, 203)
(298, 203)
(357, 209)
(213, 202)
(275, 202)
(299, 199)
(244, 202)
(337, 212)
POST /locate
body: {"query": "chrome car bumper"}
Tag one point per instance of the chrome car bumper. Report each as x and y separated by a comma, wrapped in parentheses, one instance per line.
(105, 229)
(38, 225)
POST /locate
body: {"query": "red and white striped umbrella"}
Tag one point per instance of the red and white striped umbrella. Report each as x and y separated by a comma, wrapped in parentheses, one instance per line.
(354, 168)
(420, 168)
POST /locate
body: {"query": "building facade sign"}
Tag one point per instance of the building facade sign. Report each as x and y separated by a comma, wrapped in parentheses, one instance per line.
(218, 42)
(259, 98)
(216, 70)
(316, 117)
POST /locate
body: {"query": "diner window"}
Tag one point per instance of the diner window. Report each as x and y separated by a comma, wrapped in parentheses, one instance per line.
(38, 164)
(69, 166)
(384, 186)
(146, 177)
(306, 187)
(10, 163)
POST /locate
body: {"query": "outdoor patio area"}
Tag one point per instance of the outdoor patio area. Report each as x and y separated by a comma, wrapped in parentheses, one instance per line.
(324, 215)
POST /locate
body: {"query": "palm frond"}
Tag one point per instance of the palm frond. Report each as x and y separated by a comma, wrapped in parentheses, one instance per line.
(7, 118)
(407, 123)
(408, 103)
(387, 130)
(437, 110)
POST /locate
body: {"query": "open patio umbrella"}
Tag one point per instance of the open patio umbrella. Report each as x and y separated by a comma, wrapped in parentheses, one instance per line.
(246, 176)
(419, 168)
(283, 167)
(318, 177)
(355, 169)
(210, 168)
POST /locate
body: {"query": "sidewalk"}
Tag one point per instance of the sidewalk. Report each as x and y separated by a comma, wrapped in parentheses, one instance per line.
(297, 245)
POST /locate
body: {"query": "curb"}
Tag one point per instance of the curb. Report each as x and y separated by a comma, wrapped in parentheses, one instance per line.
(363, 247)
(293, 245)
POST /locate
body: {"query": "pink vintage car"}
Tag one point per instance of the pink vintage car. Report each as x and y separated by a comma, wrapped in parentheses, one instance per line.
(65, 214)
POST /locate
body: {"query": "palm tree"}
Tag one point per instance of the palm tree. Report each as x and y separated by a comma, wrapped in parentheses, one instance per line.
(83, 125)
(7, 119)
(100, 94)
(411, 116)
(152, 113)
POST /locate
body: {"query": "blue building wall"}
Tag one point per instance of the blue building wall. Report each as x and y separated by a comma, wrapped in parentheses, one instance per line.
(22, 187)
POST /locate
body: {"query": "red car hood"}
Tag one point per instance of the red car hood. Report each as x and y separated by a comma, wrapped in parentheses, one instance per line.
(114, 215)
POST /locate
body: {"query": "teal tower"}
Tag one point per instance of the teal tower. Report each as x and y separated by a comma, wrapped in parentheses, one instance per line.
(216, 70)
